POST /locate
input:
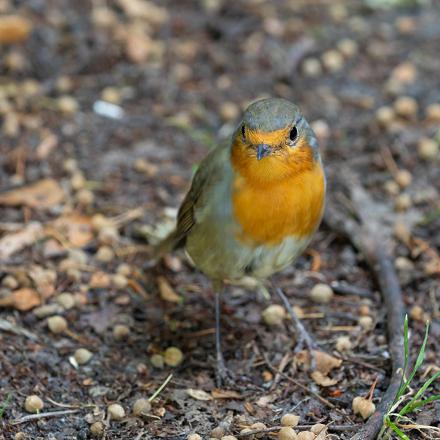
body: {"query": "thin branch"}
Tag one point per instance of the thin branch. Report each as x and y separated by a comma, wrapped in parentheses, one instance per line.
(44, 415)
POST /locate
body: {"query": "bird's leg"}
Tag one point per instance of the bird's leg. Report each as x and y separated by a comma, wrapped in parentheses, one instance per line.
(223, 374)
(304, 338)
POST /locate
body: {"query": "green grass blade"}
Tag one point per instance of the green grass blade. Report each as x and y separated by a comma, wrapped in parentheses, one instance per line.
(421, 403)
(5, 405)
(419, 360)
(398, 431)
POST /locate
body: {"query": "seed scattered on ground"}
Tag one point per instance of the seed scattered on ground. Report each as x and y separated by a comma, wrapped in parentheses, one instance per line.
(229, 437)
(321, 293)
(77, 180)
(403, 202)
(85, 197)
(306, 435)
(417, 313)
(82, 356)
(433, 112)
(124, 269)
(343, 344)
(258, 426)
(318, 428)
(116, 411)
(385, 116)
(311, 67)
(157, 361)
(121, 332)
(406, 106)
(274, 314)
(403, 178)
(194, 437)
(9, 282)
(99, 222)
(363, 407)
(66, 300)
(119, 281)
(33, 404)
(141, 407)
(218, 432)
(105, 254)
(173, 356)
(333, 60)
(287, 433)
(57, 324)
(289, 420)
(364, 310)
(428, 149)
(97, 429)
(403, 264)
(366, 322)
(108, 235)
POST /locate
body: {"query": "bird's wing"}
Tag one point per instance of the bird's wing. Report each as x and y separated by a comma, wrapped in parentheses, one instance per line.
(211, 170)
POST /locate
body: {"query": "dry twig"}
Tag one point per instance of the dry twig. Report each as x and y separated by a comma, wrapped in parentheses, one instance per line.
(366, 236)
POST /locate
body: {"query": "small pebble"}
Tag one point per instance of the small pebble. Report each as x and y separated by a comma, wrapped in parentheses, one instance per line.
(105, 254)
(82, 356)
(33, 404)
(229, 111)
(306, 435)
(218, 432)
(57, 324)
(289, 420)
(403, 178)
(46, 310)
(66, 300)
(321, 293)
(157, 361)
(287, 433)
(274, 314)
(116, 412)
(63, 84)
(97, 429)
(406, 106)
(141, 407)
(366, 322)
(121, 332)
(173, 356)
(427, 149)
(343, 344)
(119, 281)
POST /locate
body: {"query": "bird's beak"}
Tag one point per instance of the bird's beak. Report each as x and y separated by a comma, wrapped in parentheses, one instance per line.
(263, 150)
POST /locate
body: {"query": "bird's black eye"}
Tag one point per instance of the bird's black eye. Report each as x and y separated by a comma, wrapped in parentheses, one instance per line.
(293, 134)
(243, 132)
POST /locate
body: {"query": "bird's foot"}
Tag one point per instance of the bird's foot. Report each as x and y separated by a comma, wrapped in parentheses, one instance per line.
(224, 376)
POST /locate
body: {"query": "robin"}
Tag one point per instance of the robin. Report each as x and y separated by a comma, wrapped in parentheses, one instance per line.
(254, 204)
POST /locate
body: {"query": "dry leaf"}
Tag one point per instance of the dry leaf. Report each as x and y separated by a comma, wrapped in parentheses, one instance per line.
(44, 280)
(322, 379)
(225, 394)
(75, 229)
(14, 29)
(166, 291)
(12, 243)
(99, 280)
(21, 299)
(198, 394)
(324, 362)
(46, 146)
(40, 195)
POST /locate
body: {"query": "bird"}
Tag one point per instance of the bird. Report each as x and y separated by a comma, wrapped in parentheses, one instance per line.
(253, 206)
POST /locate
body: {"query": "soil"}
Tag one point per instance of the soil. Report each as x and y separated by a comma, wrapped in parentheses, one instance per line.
(178, 74)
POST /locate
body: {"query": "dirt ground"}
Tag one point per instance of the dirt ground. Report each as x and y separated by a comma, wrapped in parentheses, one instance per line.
(107, 106)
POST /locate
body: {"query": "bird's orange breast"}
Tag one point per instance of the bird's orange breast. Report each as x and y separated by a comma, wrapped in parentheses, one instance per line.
(270, 209)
